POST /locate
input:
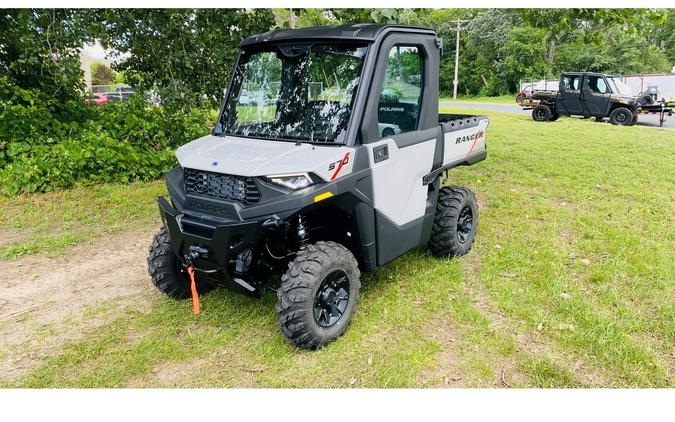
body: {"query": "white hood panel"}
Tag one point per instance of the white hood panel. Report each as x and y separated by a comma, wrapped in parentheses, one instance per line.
(257, 157)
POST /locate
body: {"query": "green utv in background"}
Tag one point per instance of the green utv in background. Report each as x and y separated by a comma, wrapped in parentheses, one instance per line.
(588, 94)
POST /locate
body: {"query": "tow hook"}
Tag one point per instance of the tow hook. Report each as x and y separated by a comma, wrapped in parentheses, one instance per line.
(194, 253)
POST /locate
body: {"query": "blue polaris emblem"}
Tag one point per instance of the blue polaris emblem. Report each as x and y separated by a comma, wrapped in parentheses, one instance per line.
(214, 164)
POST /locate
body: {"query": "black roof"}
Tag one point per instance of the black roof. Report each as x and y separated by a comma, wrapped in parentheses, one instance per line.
(360, 32)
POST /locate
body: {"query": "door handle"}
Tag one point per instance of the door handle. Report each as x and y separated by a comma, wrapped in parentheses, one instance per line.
(381, 153)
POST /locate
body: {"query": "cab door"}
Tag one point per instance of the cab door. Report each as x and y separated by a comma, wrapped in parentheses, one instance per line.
(596, 94)
(570, 92)
(400, 131)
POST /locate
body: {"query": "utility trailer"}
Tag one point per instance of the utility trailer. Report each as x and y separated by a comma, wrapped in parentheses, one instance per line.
(661, 109)
(309, 185)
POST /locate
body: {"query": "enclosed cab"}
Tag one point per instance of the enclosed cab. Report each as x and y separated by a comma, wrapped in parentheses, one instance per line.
(588, 94)
(325, 162)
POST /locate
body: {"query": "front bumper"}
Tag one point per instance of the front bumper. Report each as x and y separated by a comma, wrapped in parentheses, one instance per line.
(223, 241)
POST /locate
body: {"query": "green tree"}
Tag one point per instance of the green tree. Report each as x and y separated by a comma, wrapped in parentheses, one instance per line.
(525, 52)
(102, 74)
(186, 55)
(39, 50)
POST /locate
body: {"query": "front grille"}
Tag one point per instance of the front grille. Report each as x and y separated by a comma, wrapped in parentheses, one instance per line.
(221, 186)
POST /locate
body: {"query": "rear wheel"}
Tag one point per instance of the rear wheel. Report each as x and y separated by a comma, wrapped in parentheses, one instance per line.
(166, 271)
(318, 295)
(455, 222)
(621, 116)
(542, 113)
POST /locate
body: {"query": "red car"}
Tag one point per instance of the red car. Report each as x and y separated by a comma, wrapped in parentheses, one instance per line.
(98, 99)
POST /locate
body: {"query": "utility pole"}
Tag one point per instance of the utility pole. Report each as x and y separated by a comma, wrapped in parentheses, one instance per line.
(292, 19)
(458, 28)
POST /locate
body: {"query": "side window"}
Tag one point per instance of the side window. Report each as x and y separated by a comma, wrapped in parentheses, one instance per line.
(597, 84)
(571, 82)
(401, 96)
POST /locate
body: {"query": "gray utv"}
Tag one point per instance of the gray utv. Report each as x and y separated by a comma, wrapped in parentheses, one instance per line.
(326, 161)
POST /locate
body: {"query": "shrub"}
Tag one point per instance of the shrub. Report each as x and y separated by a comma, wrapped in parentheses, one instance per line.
(43, 147)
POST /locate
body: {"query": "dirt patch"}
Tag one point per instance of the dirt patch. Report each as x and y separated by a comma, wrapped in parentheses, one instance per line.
(43, 300)
(447, 372)
(12, 236)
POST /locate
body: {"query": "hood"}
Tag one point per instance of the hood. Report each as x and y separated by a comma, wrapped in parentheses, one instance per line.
(623, 99)
(257, 157)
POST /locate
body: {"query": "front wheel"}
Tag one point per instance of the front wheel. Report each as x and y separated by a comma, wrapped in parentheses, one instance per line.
(166, 271)
(542, 113)
(621, 116)
(318, 295)
(455, 222)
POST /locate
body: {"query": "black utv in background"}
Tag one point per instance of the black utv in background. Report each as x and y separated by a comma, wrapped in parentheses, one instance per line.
(587, 95)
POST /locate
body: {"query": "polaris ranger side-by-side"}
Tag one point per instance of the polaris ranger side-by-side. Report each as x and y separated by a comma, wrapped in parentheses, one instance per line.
(333, 170)
(595, 95)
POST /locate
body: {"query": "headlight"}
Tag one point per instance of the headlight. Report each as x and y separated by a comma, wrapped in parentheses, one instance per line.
(293, 181)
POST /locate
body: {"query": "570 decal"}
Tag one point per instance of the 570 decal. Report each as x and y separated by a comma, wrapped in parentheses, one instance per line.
(337, 166)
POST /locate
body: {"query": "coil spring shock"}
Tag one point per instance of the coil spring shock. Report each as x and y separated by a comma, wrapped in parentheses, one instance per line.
(302, 232)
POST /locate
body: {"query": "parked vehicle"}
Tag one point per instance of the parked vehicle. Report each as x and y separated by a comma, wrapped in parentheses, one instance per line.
(648, 96)
(97, 99)
(527, 90)
(647, 83)
(588, 94)
(120, 94)
(386, 130)
(314, 191)
(254, 98)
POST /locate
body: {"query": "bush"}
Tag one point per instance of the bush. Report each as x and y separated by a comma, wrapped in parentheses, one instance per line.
(44, 147)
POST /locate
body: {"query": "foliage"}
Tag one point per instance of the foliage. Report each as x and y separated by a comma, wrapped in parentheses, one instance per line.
(123, 141)
(619, 52)
(102, 74)
(502, 47)
(185, 55)
(39, 50)
(49, 138)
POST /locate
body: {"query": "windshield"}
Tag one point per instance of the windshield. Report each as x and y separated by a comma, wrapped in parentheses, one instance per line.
(299, 92)
(620, 88)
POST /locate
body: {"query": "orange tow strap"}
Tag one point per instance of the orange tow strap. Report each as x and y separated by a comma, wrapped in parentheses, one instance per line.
(193, 288)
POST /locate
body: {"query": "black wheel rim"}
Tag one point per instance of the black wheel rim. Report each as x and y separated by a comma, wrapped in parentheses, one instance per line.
(621, 117)
(465, 224)
(332, 298)
(541, 114)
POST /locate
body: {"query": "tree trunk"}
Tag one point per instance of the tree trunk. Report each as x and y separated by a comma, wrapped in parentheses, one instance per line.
(551, 51)
(485, 81)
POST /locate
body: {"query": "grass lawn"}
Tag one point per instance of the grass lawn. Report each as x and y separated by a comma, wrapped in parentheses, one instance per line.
(569, 284)
(51, 223)
(502, 99)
